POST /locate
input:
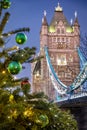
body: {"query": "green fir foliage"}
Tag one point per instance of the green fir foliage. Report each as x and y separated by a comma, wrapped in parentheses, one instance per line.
(19, 109)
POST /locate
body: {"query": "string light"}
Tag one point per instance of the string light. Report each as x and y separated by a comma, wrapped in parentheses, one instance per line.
(15, 77)
(3, 72)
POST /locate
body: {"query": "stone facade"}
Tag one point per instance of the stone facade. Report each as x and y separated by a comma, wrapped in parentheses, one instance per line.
(62, 40)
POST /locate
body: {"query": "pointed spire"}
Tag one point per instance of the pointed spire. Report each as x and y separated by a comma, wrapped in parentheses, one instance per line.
(71, 22)
(58, 8)
(75, 14)
(76, 23)
(44, 20)
(45, 13)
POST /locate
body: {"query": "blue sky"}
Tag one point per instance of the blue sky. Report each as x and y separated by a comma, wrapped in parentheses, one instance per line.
(29, 13)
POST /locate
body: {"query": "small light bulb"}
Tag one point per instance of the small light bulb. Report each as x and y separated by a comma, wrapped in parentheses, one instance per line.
(15, 77)
(3, 72)
(9, 34)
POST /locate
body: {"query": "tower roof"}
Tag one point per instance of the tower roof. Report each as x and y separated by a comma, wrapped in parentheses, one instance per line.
(59, 16)
(58, 8)
(44, 20)
(76, 23)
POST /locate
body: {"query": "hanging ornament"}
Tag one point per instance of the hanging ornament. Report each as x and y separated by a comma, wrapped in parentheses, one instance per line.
(28, 112)
(14, 67)
(11, 98)
(5, 4)
(42, 120)
(21, 38)
(25, 85)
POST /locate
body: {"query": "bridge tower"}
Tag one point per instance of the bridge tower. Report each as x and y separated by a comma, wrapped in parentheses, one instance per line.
(62, 39)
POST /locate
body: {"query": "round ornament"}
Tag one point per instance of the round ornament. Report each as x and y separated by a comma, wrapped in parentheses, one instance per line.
(42, 120)
(21, 38)
(14, 67)
(25, 85)
(11, 98)
(5, 4)
(25, 82)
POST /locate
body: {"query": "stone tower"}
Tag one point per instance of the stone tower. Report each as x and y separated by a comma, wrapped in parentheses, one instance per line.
(62, 40)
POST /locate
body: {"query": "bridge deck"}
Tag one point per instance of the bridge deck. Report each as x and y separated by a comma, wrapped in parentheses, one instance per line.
(75, 100)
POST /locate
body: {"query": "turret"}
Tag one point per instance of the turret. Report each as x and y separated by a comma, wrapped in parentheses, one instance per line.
(76, 25)
(44, 27)
(44, 32)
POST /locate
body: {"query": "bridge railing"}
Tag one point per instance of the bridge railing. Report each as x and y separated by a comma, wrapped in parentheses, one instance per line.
(77, 95)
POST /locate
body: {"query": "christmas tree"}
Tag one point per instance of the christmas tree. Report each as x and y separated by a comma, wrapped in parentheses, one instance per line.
(20, 110)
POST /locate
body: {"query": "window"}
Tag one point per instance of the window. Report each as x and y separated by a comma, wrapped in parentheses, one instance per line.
(62, 31)
(58, 31)
(54, 39)
(52, 57)
(67, 40)
(61, 59)
(63, 39)
(70, 58)
(61, 74)
(58, 39)
(50, 39)
(68, 75)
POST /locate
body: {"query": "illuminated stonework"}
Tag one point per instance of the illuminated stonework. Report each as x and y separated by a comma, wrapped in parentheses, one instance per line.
(51, 29)
(58, 8)
(62, 39)
(69, 29)
(61, 60)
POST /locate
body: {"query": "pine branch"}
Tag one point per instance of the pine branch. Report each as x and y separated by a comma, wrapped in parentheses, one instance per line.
(23, 54)
(16, 31)
(39, 95)
(21, 79)
(1, 42)
(0, 9)
(4, 21)
(12, 48)
(35, 59)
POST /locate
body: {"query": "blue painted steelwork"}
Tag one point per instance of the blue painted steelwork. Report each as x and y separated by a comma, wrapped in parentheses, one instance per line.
(82, 58)
(59, 86)
(80, 79)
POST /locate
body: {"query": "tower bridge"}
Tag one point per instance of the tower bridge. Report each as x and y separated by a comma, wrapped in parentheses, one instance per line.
(63, 70)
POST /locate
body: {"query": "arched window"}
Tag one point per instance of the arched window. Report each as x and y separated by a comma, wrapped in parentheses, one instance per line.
(58, 39)
(58, 30)
(63, 39)
(54, 39)
(61, 60)
(62, 30)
